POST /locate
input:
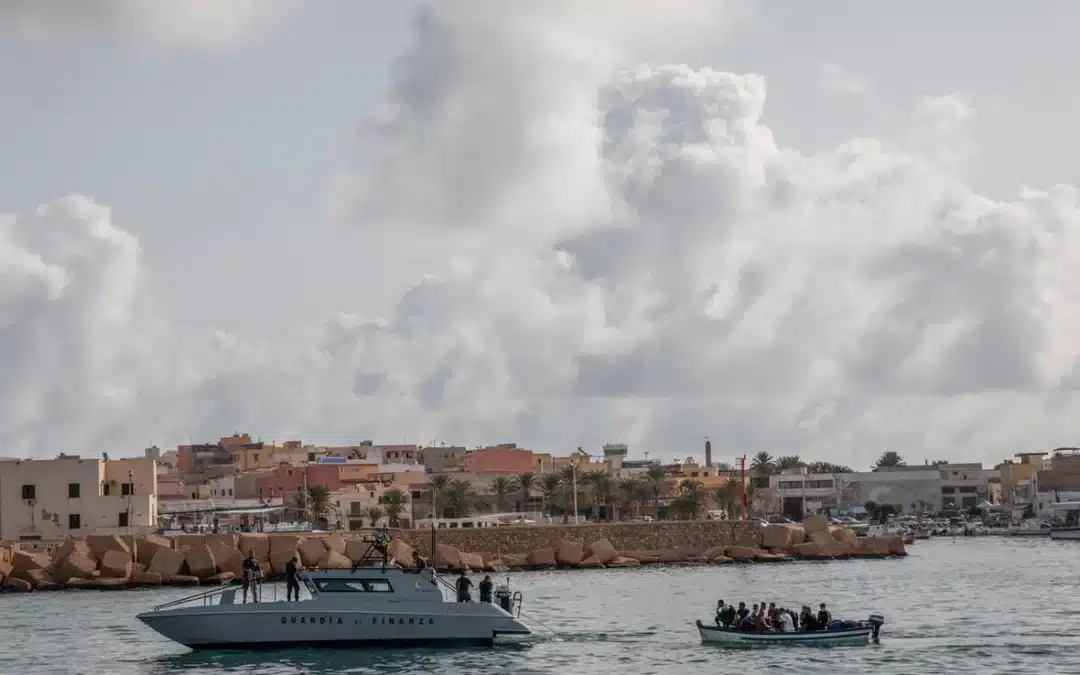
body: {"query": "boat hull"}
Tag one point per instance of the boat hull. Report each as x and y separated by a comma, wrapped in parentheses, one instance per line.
(282, 625)
(1065, 533)
(830, 638)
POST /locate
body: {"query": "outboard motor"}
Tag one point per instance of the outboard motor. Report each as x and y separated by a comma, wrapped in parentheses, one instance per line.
(876, 621)
(504, 599)
(507, 599)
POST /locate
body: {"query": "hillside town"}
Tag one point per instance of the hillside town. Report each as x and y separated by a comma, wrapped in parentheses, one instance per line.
(240, 484)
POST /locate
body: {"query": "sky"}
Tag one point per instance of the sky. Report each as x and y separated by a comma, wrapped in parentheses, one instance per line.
(828, 229)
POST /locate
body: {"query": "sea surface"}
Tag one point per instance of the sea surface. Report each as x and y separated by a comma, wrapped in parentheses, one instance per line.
(964, 605)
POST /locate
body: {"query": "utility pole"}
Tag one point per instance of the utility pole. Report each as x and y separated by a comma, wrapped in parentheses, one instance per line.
(573, 480)
(742, 483)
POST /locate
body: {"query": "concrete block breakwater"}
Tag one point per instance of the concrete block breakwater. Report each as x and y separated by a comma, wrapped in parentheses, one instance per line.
(113, 562)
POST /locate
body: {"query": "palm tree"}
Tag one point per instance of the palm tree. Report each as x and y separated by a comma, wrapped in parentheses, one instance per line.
(525, 483)
(569, 480)
(889, 458)
(827, 467)
(656, 479)
(393, 502)
(459, 497)
(603, 488)
(690, 499)
(502, 486)
(727, 497)
(549, 487)
(761, 468)
(375, 514)
(629, 490)
(789, 462)
(440, 484)
(318, 498)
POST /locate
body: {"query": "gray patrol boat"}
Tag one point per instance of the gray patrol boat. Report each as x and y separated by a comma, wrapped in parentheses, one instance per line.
(369, 606)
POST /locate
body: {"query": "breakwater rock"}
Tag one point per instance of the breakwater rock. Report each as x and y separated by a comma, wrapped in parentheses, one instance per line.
(112, 561)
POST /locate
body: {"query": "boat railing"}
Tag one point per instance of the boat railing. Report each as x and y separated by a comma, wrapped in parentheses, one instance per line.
(224, 595)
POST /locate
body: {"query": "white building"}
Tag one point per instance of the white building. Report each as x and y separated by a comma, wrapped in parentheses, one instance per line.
(350, 508)
(964, 486)
(72, 496)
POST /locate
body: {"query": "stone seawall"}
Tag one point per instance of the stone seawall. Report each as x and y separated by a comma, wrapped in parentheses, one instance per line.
(112, 562)
(668, 535)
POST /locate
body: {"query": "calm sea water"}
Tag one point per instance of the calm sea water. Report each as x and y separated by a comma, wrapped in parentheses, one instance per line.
(954, 605)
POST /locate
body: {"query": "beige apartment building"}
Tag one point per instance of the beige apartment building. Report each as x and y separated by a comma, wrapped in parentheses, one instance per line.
(73, 496)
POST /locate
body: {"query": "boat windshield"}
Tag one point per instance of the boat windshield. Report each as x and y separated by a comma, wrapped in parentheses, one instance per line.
(352, 585)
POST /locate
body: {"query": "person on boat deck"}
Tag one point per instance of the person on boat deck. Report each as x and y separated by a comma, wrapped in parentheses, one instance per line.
(794, 617)
(761, 619)
(292, 580)
(725, 614)
(418, 562)
(749, 622)
(740, 615)
(251, 575)
(785, 624)
(485, 588)
(823, 617)
(807, 622)
(463, 586)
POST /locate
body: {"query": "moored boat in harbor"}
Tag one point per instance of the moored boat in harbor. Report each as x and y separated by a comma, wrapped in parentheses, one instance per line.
(1065, 524)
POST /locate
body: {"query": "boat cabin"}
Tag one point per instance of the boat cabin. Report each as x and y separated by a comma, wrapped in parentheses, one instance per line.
(376, 583)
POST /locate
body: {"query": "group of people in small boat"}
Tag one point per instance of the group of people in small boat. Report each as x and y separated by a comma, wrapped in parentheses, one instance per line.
(770, 618)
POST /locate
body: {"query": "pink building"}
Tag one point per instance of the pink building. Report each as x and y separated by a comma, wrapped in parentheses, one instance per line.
(499, 460)
(286, 479)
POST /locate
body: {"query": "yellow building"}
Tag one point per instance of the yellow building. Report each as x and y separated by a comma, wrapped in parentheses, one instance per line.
(72, 496)
(707, 476)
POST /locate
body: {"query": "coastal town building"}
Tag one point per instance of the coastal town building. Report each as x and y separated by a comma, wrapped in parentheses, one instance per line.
(352, 507)
(443, 457)
(498, 460)
(965, 486)
(74, 496)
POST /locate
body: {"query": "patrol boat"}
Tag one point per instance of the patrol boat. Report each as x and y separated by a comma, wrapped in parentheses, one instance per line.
(366, 606)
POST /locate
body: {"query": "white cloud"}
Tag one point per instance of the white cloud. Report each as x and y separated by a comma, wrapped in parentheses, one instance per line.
(647, 265)
(202, 24)
(834, 79)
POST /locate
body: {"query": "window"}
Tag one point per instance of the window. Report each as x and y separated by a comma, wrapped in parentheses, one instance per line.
(819, 484)
(73, 490)
(106, 489)
(790, 484)
(74, 521)
(122, 519)
(127, 489)
(354, 586)
(29, 492)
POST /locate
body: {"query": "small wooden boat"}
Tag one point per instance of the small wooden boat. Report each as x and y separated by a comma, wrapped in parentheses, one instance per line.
(861, 633)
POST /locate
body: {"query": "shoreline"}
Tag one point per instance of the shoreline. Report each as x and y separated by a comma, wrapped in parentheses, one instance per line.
(114, 562)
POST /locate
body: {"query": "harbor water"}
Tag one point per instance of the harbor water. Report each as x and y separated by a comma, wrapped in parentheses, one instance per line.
(963, 605)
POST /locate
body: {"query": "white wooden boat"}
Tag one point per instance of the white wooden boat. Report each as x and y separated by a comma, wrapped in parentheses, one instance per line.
(1029, 528)
(1066, 522)
(862, 633)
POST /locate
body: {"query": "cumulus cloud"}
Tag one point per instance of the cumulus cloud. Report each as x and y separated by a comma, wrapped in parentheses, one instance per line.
(646, 263)
(202, 24)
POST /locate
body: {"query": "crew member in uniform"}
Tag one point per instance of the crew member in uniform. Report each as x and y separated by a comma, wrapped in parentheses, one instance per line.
(463, 586)
(418, 563)
(382, 545)
(485, 588)
(251, 576)
(292, 580)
